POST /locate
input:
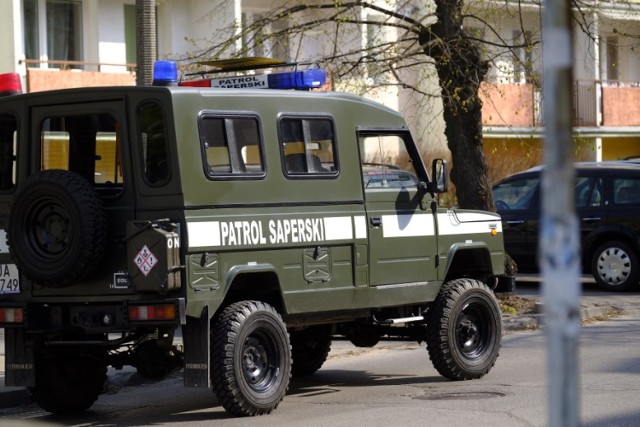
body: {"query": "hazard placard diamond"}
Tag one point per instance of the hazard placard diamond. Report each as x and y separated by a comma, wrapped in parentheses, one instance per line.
(145, 260)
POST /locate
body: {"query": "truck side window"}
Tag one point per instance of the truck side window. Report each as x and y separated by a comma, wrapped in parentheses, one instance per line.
(153, 139)
(8, 139)
(68, 141)
(386, 162)
(308, 146)
(231, 146)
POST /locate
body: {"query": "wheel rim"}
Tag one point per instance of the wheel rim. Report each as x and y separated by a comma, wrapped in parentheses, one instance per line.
(614, 266)
(260, 360)
(48, 228)
(473, 330)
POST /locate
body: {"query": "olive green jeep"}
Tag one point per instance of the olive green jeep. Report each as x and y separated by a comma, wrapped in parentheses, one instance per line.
(230, 233)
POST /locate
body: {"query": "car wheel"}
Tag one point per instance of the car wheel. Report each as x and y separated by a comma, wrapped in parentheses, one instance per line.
(309, 349)
(69, 380)
(615, 266)
(251, 358)
(464, 330)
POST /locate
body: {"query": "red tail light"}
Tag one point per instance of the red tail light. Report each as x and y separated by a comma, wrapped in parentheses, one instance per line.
(141, 313)
(11, 315)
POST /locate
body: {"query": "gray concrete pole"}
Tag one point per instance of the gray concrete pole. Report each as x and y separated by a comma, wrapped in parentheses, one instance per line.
(559, 239)
(145, 41)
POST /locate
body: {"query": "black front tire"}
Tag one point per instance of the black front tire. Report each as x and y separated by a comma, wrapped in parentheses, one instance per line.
(251, 358)
(616, 267)
(310, 349)
(464, 330)
(69, 381)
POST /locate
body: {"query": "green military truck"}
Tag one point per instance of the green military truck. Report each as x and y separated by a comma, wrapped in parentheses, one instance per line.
(254, 224)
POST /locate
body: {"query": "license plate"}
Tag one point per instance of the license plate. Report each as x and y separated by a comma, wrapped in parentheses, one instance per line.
(9, 279)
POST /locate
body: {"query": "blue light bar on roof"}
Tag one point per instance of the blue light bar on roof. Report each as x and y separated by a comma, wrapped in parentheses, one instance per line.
(300, 80)
(165, 73)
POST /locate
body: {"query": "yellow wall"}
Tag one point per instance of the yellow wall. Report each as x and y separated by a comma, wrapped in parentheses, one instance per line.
(620, 148)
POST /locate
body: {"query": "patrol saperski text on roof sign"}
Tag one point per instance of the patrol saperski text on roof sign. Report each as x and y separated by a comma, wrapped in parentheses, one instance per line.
(243, 82)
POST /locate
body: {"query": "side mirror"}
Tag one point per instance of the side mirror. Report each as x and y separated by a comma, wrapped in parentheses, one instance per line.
(439, 182)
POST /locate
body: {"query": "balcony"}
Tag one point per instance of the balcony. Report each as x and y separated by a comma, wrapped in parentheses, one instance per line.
(595, 104)
(70, 74)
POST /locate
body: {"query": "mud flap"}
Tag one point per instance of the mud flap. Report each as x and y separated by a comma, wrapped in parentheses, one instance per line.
(19, 365)
(196, 338)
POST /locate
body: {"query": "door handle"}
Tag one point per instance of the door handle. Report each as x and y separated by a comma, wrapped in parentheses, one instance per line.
(592, 219)
(515, 222)
(375, 221)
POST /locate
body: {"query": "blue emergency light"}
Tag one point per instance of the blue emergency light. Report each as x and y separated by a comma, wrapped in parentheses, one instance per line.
(165, 73)
(306, 79)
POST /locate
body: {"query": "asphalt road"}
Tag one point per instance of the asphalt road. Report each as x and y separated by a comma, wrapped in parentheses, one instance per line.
(395, 384)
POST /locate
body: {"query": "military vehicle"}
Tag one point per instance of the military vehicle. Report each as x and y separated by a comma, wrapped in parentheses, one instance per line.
(230, 233)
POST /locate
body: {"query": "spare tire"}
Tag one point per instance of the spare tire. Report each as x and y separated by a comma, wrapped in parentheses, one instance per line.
(57, 228)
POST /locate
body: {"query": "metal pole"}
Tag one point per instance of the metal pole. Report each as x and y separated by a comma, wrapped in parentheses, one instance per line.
(559, 238)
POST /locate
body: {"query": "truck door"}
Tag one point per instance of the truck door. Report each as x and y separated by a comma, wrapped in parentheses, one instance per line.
(90, 139)
(402, 238)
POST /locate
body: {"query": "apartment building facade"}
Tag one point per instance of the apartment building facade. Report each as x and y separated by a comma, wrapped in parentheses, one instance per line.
(67, 43)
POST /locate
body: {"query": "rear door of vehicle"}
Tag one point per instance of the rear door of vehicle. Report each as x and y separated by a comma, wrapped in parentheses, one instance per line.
(591, 205)
(90, 139)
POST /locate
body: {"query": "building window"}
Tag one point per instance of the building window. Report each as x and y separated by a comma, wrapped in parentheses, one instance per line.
(266, 39)
(53, 31)
(613, 65)
(523, 57)
(377, 44)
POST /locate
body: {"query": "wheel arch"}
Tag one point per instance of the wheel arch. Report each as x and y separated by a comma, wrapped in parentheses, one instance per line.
(254, 282)
(469, 260)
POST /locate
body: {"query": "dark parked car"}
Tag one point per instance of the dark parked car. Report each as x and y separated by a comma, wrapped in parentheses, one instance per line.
(608, 208)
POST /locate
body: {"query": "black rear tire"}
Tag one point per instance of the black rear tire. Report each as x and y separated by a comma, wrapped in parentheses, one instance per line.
(464, 330)
(616, 267)
(57, 228)
(310, 349)
(251, 358)
(69, 381)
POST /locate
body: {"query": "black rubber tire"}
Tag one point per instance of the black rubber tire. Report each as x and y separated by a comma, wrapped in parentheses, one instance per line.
(364, 337)
(250, 358)
(310, 349)
(464, 330)
(69, 381)
(616, 267)
(57, 228)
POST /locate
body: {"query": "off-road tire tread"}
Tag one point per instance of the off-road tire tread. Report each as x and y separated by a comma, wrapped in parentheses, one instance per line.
(438, 317)
(304, 363)
(90, 226)
(224, 331)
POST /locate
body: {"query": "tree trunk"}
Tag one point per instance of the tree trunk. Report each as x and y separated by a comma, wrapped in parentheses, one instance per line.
(460, 71)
